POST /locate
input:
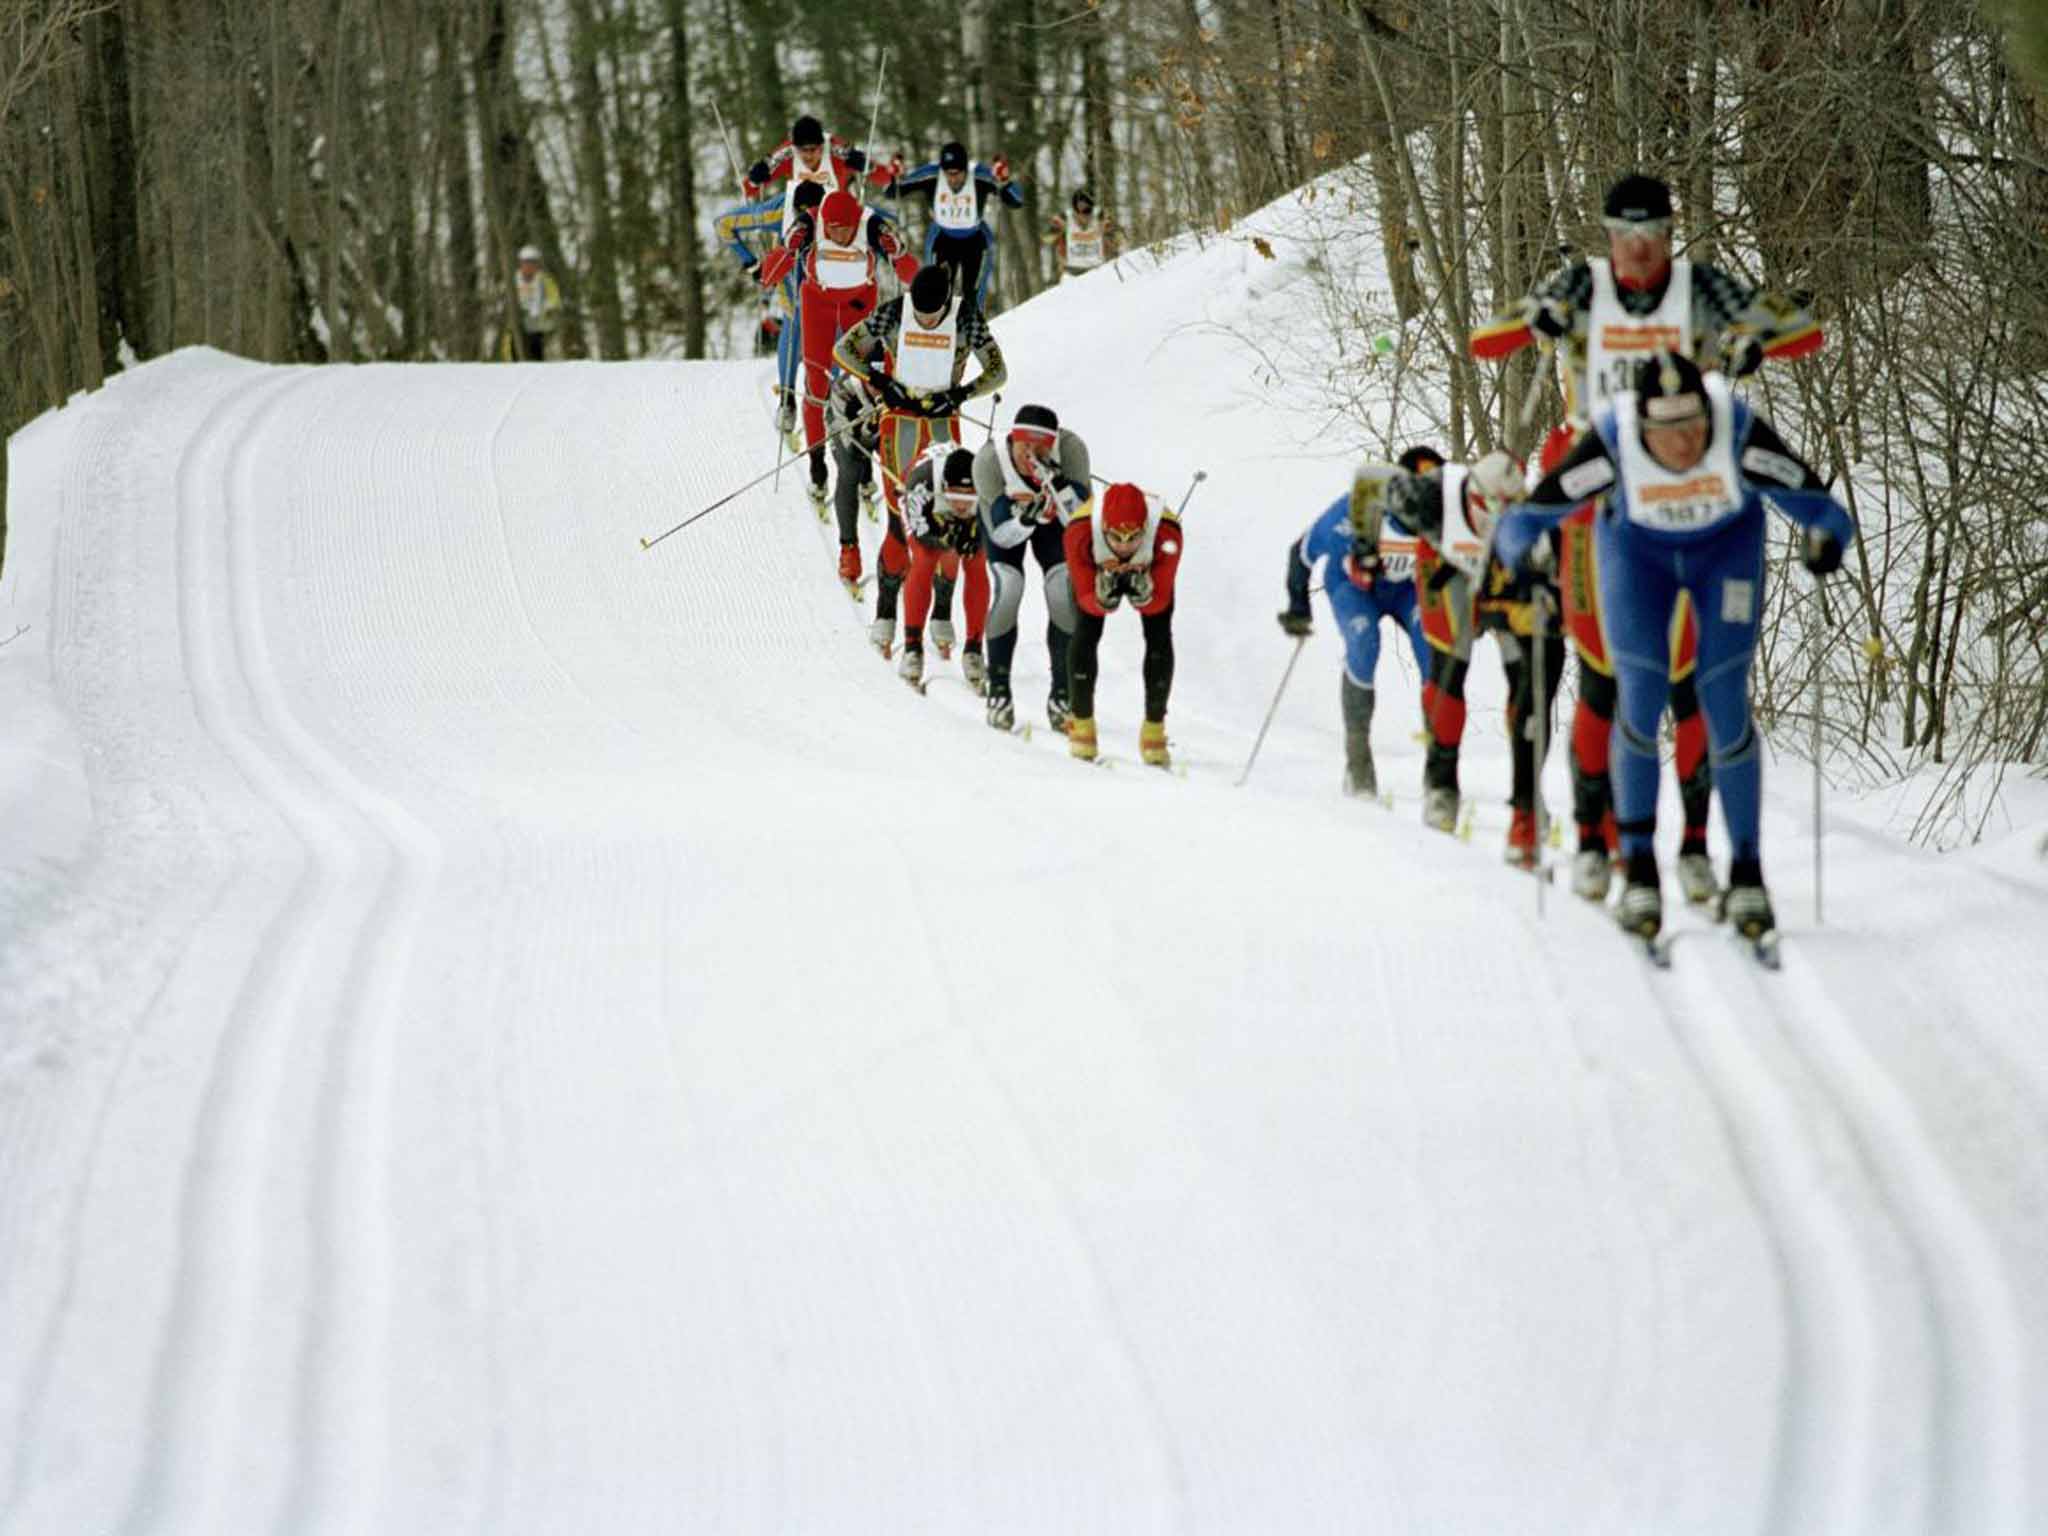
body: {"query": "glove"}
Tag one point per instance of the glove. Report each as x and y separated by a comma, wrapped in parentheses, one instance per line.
(1140, 587)
(856, 160)
(1549, 317)
(892, 393)
(1298, 624)
(950, 400)
(757, 173)
(798, 233)
(933, 406)
(1108, 591)
(1362, 565)
(1823, 554)
(1742, 356)
(906, 268)
(1030, 513)
(1002, 170)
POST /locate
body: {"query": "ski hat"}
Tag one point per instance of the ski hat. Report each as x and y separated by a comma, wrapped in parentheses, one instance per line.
(808, 195)
(1036, 421)
(953, 156)
(1637, 199)
(806, 131)
(1420, 459)
(1123, 509)
(1082, 195)
(931, 290)
(839, 210)
(956, 476)
(529, 253)
(1669, 390)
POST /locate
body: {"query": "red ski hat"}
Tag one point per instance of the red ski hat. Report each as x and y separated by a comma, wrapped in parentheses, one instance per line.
(1123, 509)
(840, 210)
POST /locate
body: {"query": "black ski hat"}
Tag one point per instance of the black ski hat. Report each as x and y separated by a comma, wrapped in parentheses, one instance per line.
(806, 131)
(1035, 420)
(1669, 389)
(953, 156)
(1637, 199)
(932, 289)
(958, 472)
(1420, 459)
(808, 195)
(1082, 195)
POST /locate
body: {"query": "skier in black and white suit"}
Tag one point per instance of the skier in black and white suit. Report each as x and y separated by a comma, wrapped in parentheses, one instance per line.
(1029, 485)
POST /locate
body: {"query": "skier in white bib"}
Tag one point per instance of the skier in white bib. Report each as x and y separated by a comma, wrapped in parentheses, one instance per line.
(961, 192)
(1082, 238)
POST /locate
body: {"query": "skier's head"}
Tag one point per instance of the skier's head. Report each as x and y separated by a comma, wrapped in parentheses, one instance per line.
(839, 213)
(1637, 215)
(956, 484)
(807, 137)
(529, 259)
(953, 162)
(1672, 412)
(1494, 482)
(1123, 515)
(1420, 459)
(1083, 202)
(808, 195)
(931, 290)
(1034, 437)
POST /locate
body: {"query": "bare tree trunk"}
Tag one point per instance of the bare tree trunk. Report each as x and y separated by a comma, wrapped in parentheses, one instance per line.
(602, 287)
(687, 236)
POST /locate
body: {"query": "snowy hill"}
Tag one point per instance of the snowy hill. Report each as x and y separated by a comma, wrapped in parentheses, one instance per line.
(502, 1031)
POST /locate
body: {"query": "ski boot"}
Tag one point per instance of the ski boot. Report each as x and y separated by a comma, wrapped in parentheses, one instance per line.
(849, 564)
(1440, 808)
(818, 475)
(1592, 874)
(973, 668)
(785, 413)
(911, 667)
(1058, 715)
(942, 636)
(882, 636)
(1002, 709)
(1152, 744)
(1361, 779)
(1696, 876)
(1746, 905)
(1081, 737)
(1641, 908)
(1522, 838)
(867, 497)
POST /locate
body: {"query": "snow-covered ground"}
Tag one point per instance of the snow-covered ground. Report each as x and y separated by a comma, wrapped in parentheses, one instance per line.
(502, 1031)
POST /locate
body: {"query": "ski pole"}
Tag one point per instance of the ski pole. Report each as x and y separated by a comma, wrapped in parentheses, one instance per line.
(1272, 710)
(1539, 728)
(875, 115)
(1535, 395)
(647, 543)
(731, 159)
(1200, 476)
(989, 434)
(1820, 685)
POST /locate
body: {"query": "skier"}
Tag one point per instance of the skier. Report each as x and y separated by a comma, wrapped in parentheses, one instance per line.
(835, 254)
(1685, 470)
(1031, 484)
(940, 515)
(761, 220)
(540, 305)
(926, 336)
(1463, 589)
(853, 415)
(1125, 545)
(1605, 315)
(1081, 239)
(1368, 572)
(961, 193)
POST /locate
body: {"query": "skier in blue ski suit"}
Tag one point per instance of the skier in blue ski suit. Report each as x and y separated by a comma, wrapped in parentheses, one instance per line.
(960, 191)
(763, 218)
(1368, 570)
(1685, 470)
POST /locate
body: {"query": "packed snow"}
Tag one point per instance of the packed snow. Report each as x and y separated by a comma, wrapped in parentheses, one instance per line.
(505, 1031)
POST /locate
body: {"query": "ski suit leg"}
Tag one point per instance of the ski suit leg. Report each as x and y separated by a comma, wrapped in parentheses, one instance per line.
(848, 460)
(1592, 732)
(974, 570)
(1726, 579)
(1523, 656)
(1006, 575)
(1357, 612)
(789, 349)
(1158, 667)
(1689, 730)
(1081, 665)
(925, 563)
(820, 335)
(1444, 714)
(1639, 586)
(1397, 602)
(984, 268)
(1048, 548)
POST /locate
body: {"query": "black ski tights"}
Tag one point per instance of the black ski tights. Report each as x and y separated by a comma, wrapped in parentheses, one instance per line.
(1082, 670)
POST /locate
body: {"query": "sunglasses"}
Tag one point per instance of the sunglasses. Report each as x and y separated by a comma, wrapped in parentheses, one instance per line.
(1640, 229)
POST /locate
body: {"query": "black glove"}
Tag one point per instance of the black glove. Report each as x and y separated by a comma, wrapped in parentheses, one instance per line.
(1444, 574)
(856, 160)
(757, 173)
(892, 393)
(1296, 622)
(951, 399)
(1365, 558)
(1549, 317)
(1030, 512)
(1823, 553)
(1742, 356)
(935, 405)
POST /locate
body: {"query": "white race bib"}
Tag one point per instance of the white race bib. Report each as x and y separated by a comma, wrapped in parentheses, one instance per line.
(956, 212)
(841, 266)
(1084, 245)
(1618, 342)
(1704, 496)
(924, 356)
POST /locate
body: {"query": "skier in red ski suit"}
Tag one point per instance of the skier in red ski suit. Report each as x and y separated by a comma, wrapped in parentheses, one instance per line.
(1124, 544)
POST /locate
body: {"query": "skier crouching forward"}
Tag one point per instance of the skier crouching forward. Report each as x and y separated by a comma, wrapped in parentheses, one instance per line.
(1031, 483)
(1125, 545)
(939, 511)
(1686, 469)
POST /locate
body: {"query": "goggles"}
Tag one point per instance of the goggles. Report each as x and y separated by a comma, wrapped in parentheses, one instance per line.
(1638, 229)
(1673, 410)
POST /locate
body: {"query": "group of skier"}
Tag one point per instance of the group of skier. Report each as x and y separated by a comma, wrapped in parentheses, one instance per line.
(1643, 536)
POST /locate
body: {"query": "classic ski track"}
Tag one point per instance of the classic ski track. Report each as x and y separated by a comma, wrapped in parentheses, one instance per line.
(1830, 1372)
(202, 1368)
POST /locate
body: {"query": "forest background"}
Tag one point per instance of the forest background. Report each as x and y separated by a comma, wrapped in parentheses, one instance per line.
(347, 181)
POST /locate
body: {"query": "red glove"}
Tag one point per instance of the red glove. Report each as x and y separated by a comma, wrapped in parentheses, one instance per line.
(796, 236)
(906, 267)
(1002, 169)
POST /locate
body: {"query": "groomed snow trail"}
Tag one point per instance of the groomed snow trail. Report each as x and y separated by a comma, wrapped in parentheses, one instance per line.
(502, 1031)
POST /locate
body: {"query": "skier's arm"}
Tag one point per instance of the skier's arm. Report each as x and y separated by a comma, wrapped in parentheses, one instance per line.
(978, 341)
(887, 244)
(1551, 311)
(1748, 325)
(922, 179)
(1009, 523)
(744, 219)
(853, 349)
(1785, 482)
(1166, 546)
(1079, 540)
(1004, 187)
